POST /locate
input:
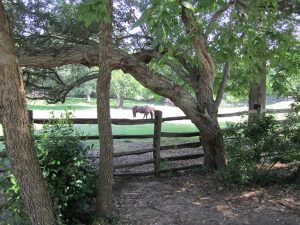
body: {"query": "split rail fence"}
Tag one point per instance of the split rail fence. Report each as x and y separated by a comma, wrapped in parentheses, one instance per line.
(156, 136)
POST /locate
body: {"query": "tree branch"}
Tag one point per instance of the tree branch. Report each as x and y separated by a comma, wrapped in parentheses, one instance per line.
(217, 15)
(134, 64)
(58, 92)
(226, 74)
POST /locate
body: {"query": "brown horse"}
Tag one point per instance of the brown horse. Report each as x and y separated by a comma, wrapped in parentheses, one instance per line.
(144, 110)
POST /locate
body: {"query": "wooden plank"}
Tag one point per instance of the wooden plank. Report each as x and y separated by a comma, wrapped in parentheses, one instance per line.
(186, 134)
(175, 118)
(180, 146)
(139, 163)
(94, 121)
(149, 121)
(253, 111)
(135, 152)
(161, 171)
(132, 122)
(233, 114)
(134, 174)
(138, 136)
(183, 157)
(167, 147)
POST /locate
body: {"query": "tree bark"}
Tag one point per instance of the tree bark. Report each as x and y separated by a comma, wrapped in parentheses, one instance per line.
(258, 92)
(104, 195)
(18, 140)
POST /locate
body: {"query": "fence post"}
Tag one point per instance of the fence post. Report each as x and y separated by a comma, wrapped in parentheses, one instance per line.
(156, 141)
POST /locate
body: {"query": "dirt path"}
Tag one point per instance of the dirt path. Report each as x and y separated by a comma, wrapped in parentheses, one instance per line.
(194, 199)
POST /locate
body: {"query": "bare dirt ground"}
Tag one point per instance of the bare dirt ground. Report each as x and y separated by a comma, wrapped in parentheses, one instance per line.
(194, 198)
(197, 197)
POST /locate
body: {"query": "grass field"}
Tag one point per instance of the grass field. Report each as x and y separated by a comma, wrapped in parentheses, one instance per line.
(82, 105)
(78, 104)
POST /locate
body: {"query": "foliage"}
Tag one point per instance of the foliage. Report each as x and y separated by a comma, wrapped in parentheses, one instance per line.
(260, 144)
(14, 210)
(93, 10)
(124, 85)
(70, 179)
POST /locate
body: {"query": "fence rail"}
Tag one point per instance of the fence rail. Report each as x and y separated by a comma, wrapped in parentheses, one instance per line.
(156, 136)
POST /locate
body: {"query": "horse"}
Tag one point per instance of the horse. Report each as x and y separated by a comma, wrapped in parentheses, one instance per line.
(146, 109)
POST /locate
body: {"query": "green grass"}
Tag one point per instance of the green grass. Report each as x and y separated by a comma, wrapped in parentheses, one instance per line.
(85, 129)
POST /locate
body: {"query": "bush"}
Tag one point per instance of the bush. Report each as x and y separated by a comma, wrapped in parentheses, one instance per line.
(71, 180)
(259, 145)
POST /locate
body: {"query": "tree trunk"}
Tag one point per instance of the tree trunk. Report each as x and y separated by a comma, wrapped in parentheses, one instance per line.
(88, 96)
(120, 100)
(104, 196)
(18, 140)
(258, 92)
(213, 147)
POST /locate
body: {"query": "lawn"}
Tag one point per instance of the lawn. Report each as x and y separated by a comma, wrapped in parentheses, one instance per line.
(79, 104)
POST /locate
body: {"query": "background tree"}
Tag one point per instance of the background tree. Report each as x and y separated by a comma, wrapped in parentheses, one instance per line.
(124, 86)
(17, 132)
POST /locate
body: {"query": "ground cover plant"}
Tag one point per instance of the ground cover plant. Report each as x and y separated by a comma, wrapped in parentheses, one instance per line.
(69, 175)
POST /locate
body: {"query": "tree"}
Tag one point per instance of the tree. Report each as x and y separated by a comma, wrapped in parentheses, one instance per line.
(191, 35)
(124, 86)
(104, 196)
(17, 132)
(267, 52)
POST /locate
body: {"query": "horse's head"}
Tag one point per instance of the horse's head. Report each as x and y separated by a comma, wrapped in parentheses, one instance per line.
(134, 111)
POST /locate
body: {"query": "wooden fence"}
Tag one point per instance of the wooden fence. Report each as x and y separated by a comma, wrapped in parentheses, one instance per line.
(156, 136)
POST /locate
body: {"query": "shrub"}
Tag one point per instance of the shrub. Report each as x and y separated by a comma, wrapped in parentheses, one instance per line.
(259, 145)
(71, 180)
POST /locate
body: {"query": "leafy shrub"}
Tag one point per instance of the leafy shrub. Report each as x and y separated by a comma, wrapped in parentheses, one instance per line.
(13, 211)
(259, 145)
(71, 180)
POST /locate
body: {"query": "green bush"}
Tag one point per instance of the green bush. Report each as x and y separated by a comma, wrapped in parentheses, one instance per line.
(259, 145)
(71, 179)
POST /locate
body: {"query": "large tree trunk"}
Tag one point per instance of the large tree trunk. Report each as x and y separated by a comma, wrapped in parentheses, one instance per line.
(18, 140)
(213, 147)
(258, 92)
(104, 196)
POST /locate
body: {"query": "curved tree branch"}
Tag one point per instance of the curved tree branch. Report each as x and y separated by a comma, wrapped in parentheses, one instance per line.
(134, 64)
(226, 74)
